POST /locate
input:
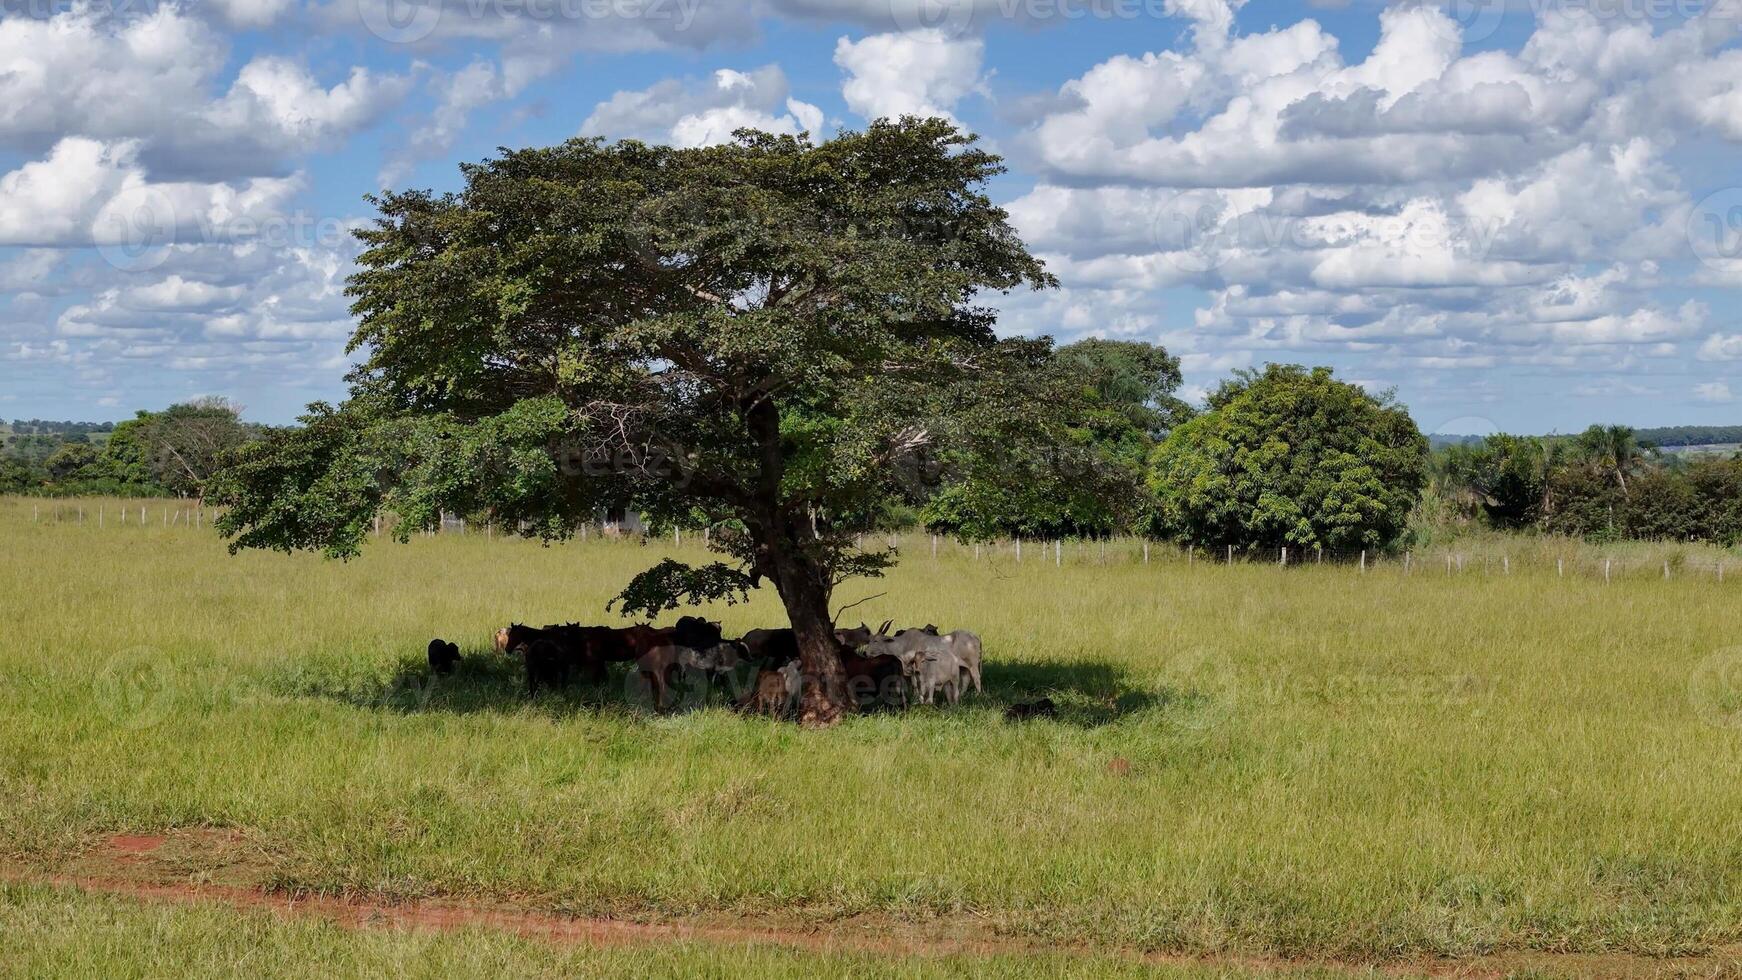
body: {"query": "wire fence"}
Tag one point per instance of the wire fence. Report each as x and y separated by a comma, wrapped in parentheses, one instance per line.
(1488, 556)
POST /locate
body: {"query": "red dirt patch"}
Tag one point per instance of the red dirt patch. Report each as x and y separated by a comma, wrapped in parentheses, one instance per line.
(207, 865)
(130, 844)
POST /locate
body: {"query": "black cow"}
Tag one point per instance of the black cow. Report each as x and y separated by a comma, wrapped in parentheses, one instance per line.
(444, 657)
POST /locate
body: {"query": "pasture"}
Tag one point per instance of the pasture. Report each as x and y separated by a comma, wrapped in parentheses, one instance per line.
(1264, 764)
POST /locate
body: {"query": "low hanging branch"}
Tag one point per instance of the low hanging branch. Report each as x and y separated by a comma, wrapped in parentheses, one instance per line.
(838, 612)
(660, 588)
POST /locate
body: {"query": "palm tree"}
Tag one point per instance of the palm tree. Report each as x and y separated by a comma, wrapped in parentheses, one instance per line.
(1614, 449)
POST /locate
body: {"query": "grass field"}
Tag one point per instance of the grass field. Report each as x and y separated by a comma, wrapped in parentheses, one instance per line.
(1319, 762)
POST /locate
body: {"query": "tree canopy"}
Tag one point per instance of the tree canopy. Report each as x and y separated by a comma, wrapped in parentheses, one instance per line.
(771, 337)
(1091, 483)
(1288, 456)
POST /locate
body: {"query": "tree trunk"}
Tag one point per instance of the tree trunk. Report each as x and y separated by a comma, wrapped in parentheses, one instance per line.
(803, 589)
(804, 586)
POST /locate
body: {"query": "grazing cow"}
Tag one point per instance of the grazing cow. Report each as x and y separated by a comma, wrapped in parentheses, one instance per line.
(910, 643)
(660, 667)
(858, 636)
(774, 647)
(966, 646)
(443, 656)
(694, 631)
(580, 644)
(1044, 708)
(907, 646)
(875, 681)
(546, 665)
(500, 640)
(716, 662)
(517, 637)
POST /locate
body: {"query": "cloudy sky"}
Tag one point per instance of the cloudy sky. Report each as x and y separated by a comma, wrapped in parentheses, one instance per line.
(1521, 214)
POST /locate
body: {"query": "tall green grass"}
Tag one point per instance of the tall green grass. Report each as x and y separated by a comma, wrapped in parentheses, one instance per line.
(1320, 760)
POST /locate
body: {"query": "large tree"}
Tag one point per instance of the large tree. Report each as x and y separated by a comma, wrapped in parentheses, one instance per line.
(1291, 456)
(1090, 483)
(763, 336)
(180, 447)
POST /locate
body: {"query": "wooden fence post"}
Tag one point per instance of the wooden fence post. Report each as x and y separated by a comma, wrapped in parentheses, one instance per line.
(1363, 560)
(1230, 554)
(1285, 556)
(1406, 560)
(1146, 556)
(1606, 570)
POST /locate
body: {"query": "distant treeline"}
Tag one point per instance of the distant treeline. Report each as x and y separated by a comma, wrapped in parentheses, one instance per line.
(1664, 437)
(1692, 435)
(1285, 456)
(1608, 483)
(168, 453)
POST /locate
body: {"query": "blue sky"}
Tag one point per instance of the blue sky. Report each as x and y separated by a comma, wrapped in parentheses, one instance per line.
(1522, 214)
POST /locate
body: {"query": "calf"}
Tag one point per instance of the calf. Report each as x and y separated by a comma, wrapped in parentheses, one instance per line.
(443, 656)
(775, 694)
(938, 671)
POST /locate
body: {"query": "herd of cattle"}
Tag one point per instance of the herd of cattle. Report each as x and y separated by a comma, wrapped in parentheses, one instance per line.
(761, 669)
